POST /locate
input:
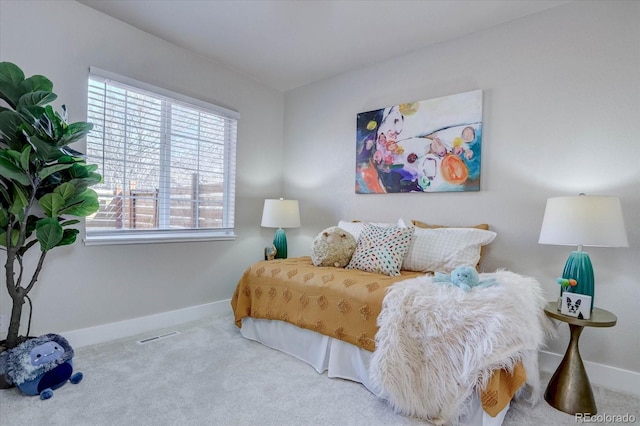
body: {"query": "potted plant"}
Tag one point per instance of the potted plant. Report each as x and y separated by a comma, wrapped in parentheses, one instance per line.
(42, 182)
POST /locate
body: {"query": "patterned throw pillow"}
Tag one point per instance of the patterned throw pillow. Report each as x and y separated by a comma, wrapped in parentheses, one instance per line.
(381, 250)
(355, 228)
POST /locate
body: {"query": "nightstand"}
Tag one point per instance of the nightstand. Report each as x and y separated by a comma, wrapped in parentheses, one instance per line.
(569, 389)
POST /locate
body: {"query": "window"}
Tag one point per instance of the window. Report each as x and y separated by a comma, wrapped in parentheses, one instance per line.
(168, 164)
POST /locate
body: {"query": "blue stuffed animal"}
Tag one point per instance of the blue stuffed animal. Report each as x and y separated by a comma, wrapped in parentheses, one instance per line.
(39, 366)
(464, 277)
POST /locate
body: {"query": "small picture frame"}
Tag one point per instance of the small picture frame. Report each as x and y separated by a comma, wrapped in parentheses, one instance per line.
(576, 305)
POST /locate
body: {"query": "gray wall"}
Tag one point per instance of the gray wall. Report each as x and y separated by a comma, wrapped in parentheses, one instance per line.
(86, 286)
(561, 108)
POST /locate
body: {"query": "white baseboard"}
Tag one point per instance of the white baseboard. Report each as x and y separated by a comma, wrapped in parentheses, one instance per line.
(118, 330)
(599, 374)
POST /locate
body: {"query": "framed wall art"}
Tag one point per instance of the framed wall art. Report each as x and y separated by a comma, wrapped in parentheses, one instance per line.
(428, 146)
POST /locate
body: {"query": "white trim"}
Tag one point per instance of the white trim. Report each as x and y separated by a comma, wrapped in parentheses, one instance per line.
(118, 330)
(101, 238)
(108, 75)
(599, 374)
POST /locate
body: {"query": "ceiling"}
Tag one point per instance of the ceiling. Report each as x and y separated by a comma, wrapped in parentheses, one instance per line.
(288, 44)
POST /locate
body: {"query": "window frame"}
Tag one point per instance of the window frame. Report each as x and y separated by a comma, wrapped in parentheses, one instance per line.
(142, 236)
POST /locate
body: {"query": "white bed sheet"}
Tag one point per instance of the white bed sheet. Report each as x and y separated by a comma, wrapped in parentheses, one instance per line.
(339, 359)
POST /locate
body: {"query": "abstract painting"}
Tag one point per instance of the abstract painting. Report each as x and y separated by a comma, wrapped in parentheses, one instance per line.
(428, 146)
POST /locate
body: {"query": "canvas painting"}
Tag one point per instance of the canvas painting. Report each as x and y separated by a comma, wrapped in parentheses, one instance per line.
(427, 146)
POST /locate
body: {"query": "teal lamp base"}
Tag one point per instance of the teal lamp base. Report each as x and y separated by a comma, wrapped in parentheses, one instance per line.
(579, 268)
(280, 242)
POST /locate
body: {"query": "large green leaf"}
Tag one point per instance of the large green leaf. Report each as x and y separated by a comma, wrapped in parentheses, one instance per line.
(52, 169)
(20, 195)
(4, 218)
(46, 127)
(83, 183)
(32, 222)
(44, 150)
(72, 152)
(10, 78)
(82, 205)
(74, 132)
(17, 208)
(31, 114)
(51, 204)
(6, 198)
(36, 83)
(10, 124)
(24, 158)
(66, 190)
(39, 97)
(13, 156)
(66, 159)
(12, 171)
(68, 237)
(49, 233)
(10, 73)
(15, 235)
(55, 122)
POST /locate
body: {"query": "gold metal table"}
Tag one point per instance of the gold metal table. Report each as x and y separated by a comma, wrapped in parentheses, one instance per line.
(569, 389)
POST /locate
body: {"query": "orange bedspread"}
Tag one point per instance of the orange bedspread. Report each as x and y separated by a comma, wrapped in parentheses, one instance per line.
(339, 303)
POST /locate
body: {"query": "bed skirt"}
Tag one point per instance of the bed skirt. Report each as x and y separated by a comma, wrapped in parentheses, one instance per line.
(339, 359)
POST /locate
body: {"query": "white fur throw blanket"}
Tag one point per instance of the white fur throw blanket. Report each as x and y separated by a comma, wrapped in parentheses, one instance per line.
(437, 344)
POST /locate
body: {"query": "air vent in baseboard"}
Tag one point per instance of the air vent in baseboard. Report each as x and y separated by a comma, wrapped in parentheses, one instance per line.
(159, 337)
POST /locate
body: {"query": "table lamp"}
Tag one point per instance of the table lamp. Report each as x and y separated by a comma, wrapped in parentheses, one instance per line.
(583, 220)
(280, 214)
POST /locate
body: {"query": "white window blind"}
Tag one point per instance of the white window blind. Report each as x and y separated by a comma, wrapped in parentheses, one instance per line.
(168, 163)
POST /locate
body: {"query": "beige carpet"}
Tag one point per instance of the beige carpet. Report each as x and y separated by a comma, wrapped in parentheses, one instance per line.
(210, 375)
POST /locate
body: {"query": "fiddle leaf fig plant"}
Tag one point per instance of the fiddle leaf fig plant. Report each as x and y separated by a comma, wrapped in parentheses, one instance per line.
(42, 181)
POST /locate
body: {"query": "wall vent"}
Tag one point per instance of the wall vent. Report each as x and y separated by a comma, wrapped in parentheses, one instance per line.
(159, 337)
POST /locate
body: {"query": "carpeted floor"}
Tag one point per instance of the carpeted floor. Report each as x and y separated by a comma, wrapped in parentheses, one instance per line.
(210, 375)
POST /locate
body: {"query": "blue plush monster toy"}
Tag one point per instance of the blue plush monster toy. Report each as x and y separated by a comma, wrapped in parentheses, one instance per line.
(465, 277)
(39, 366)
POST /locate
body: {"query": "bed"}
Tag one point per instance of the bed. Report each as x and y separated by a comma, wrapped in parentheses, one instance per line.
(330, 318)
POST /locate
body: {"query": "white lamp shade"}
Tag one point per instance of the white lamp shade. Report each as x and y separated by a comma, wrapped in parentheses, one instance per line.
(584, 220)
(281, 214)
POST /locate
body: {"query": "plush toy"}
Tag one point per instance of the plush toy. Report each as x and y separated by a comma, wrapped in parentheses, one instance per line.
(333, 247)
(39, 366)
(464, 277)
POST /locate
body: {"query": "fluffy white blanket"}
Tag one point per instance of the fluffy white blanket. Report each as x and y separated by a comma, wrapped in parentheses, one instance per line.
(437, 344)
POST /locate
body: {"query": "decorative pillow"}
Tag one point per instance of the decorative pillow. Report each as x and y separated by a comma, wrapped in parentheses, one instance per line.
(381, 249)
(443, 249)
(429, 226)
(355, 227)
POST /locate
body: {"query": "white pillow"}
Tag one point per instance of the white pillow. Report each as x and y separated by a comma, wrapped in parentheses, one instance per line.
(443, 249)
(381, 249)
(355, 228)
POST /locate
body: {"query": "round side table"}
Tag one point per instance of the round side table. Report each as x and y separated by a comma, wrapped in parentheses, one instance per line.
(569, 389)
